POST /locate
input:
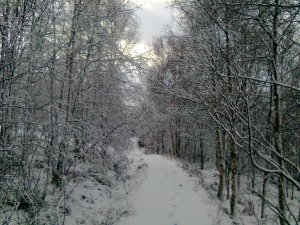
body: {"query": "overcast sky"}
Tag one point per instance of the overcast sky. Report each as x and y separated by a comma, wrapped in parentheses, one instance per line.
(153, 17)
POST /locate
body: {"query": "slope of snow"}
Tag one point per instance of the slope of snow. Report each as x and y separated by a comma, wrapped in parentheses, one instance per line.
(169, 196)
(97, 198)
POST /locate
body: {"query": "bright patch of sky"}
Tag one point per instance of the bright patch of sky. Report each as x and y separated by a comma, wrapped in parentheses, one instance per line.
(154, 17)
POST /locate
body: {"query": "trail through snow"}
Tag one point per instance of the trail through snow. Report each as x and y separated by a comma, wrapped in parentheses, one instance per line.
(169, 196)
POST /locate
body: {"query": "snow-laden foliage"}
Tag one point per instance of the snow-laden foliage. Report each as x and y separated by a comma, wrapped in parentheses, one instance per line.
(64, 72)
(225, 90)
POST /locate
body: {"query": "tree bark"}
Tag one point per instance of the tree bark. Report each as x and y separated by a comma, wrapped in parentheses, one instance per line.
(220, 164)
(263, 200)
(277, 113)
(234, 189)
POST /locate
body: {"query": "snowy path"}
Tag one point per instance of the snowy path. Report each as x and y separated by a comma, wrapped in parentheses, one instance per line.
(169, 196)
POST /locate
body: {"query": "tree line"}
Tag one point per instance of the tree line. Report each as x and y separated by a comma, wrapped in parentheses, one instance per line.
(225, 88)
(64, 80)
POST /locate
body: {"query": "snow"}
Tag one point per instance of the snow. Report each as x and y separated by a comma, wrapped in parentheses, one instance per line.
(91, 202)
(169, 196)
(134, 188)
(155, 190)
(95, 198)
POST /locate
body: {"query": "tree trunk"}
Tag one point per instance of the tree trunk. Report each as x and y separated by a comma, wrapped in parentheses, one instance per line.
(162, 141)
(220, 164)
(173, 147)
(263, 199)
(234, 171)
(277, 116)
(202, 153)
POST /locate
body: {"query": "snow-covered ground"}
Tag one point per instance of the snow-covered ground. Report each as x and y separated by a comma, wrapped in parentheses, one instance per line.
(169, 196)
(97, 198)
(154, 190)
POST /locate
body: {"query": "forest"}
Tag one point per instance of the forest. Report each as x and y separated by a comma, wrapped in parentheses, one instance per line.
(218, 91)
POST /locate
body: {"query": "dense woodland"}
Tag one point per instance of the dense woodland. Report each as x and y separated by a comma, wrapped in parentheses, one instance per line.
(222, 90)
(225, 88)
(64, 71)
